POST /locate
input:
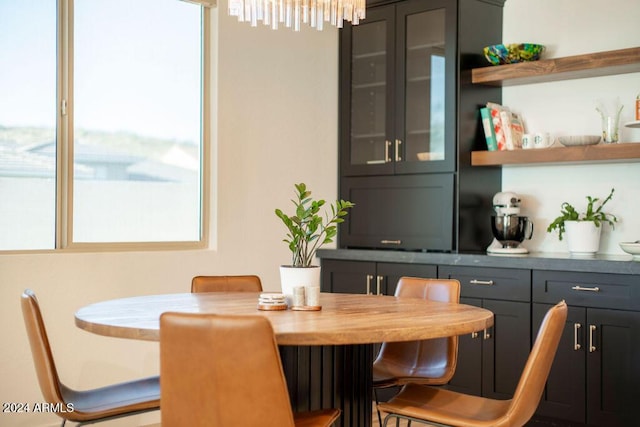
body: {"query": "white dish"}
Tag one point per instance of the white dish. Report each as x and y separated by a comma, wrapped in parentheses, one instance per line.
(632, 248)
(570, 141)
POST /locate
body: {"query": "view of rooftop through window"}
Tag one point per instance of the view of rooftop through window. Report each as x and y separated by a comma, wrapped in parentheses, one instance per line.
(135, 110)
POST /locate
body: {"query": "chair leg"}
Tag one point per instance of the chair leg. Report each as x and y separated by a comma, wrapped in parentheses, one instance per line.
(375, 394)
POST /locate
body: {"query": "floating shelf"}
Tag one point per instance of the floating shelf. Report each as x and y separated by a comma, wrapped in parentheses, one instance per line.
(571, 67)
(599, 153)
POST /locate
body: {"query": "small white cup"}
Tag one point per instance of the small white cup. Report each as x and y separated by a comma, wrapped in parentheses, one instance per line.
(312, 296)
(542, 140)
(527, 141)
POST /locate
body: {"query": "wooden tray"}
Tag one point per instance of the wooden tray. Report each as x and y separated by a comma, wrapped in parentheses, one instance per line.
(272, 307)
(307, 308)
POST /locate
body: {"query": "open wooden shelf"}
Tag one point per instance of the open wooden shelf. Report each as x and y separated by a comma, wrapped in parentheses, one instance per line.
(571, 67)
(622, 152)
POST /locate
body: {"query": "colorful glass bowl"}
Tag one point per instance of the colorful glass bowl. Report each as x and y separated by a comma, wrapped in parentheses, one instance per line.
(499, 54)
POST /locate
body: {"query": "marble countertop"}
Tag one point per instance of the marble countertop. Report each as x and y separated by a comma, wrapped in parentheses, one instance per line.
(619, 264)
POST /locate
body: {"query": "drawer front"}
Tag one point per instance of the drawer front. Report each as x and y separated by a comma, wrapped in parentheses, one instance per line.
(617, 291)
(488, 282)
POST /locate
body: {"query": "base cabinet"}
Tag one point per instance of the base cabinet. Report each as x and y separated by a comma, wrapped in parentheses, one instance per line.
(490, 363)
(373, 278)
(595, 377)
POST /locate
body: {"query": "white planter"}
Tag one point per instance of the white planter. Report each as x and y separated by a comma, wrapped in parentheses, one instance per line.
(583, 237)
(290, 277)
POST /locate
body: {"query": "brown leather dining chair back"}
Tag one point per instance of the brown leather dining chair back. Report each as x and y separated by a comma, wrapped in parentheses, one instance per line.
(248, 283)
(445, 407)
(222, 370)
(422, 362)
(87, 406)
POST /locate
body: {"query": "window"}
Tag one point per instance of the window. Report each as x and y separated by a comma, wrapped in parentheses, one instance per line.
(101, 132)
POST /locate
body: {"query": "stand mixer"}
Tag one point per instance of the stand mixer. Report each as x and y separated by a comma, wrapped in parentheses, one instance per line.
(508, 227)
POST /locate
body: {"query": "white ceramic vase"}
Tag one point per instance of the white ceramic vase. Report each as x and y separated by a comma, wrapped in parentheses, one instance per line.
(583, 237)
(290, 277)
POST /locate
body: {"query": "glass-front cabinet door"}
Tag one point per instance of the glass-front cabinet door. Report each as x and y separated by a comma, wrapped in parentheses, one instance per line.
(426, 75)
(398, 93)
(367, 93)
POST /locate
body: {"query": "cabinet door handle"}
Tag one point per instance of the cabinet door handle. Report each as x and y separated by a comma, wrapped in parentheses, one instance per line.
(387, 146)
(481, 282)
(379, 284)
(369, 279)
(576, 344)
(592, 329)
(391, 242)
(398, 156)
(589, 289)
(486, 335)
(474, 335)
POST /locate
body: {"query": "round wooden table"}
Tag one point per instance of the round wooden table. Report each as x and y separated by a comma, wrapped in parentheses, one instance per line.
(343, 319)
(326, 355)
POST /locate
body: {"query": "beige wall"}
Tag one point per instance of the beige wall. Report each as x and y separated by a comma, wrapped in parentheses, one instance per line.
(277, 124)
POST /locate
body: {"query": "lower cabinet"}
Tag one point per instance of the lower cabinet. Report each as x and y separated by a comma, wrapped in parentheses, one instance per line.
(373, 278)
(595, 377)
(490, 363)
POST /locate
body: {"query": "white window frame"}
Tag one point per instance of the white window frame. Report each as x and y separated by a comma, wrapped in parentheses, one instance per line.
(65, 140)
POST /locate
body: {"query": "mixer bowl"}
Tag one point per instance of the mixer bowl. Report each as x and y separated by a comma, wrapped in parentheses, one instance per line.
(511, 230)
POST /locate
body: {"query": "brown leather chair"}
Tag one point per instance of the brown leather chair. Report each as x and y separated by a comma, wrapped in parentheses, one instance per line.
(221, 370)
(226, 284)
(87, 406)
(420, 362)
(436, 405)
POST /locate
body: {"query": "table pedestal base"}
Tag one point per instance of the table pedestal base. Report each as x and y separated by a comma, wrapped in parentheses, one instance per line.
(331, 377)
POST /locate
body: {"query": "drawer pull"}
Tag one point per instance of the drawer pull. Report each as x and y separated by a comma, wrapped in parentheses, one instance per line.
(391, 242)
(592, 347)
(474, 335)
(481, 282)
(369, 279)
(580, 288)
(576, 344)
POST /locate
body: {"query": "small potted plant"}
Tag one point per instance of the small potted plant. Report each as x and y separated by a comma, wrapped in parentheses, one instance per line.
(307, 231)
(583, 228)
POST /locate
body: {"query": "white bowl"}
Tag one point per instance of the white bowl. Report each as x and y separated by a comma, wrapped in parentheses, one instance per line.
(632, 248)
(570, 141)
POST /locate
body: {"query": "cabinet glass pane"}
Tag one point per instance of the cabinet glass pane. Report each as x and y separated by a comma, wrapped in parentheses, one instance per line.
(425, 86)
(368, 93)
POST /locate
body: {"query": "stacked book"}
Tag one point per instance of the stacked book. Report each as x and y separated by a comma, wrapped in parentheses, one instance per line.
(503, 129)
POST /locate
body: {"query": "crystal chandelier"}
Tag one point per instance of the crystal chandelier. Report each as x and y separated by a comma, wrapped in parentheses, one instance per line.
(292, 12)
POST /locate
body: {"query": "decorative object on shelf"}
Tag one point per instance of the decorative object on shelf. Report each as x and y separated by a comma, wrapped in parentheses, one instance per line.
(307, 232)
(542, 140)
(292, 13)
(632, 248)
(583, 229)
(610, 125)
(577, 140)
(499, 54)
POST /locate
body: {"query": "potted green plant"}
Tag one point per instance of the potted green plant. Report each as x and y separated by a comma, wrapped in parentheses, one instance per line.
(307, 231)
(583, 228)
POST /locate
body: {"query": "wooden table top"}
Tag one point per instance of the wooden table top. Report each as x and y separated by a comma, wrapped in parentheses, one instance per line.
(343, 319)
